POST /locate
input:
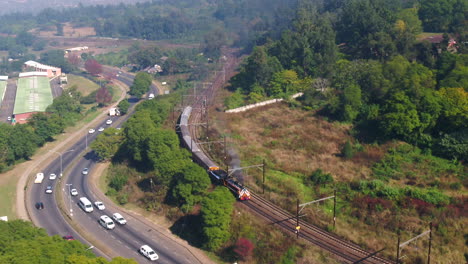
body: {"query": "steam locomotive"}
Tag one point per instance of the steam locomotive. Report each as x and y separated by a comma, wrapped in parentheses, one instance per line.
(218, 176)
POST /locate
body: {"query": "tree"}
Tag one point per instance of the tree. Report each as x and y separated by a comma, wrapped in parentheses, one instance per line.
(39, 45)
(400, 118)
(347, 151)
(103, 96)
(351, 102)
(212, 43)
(282, 83)
(25, 141)
(93, 67)
(145, 57)
(59, 29)
(363, 27)
(21, 242)
(164, 156)
(140, 127)
(25, 38)
(454, 114)
(55, 58)
(191, 185)
(141, 84)
(107, 143)
(436, 15)
(123, 106)
(259, 68)
(74, 59)
(46, 126)
(216, 213)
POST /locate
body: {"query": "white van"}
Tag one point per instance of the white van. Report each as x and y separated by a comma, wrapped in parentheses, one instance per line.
(106, 222)
(85, 204)
(148, 252)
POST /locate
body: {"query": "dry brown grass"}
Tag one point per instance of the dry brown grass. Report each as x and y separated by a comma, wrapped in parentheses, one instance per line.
(297, 141)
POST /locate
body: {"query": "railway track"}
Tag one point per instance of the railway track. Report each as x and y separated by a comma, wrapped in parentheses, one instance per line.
(346, 251)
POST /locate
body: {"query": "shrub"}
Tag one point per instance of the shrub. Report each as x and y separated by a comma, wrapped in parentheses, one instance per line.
(318, 177)
(118, 181)
(243, 248)
(347, 150)
(122, 198)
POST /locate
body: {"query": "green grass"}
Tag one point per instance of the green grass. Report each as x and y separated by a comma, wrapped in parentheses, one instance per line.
(84, 86)
(7, 198)
(115, 91)
(31, 99)
(3, 85)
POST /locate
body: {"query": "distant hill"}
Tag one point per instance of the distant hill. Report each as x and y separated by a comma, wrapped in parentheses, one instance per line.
(35, 6)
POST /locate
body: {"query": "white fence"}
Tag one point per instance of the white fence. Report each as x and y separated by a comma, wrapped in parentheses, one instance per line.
(247, 107)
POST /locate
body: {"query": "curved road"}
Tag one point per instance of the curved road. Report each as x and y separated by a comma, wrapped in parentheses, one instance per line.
(124, 239)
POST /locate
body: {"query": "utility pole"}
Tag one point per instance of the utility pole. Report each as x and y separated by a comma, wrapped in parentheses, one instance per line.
(69, 198)
(334, 209)
(263, 192)
(398, 250)
(297, 220)
(430, 244)
(61, 161)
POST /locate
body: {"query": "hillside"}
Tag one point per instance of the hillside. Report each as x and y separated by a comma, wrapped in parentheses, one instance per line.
(376, 187)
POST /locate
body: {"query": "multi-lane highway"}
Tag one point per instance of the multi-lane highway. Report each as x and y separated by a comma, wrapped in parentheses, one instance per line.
(124, 240)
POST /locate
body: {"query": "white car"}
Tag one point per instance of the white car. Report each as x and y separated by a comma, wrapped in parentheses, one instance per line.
(52, 176)
(148, 252)
(85, 171)
(91, 131)
(73, 192)
(48, 189)
(106, 222)
(119, 218)
(9, 118)
(101, 129)
(109, 121)
(99, 205)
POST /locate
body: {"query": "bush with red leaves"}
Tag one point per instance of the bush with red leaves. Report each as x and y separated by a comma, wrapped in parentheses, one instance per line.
(103, 97)
(423, 208)
(93, 67)
(74, 59)
(367, 202)
(243, 248)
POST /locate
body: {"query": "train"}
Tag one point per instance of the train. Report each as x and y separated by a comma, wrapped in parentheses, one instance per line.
(216, 174)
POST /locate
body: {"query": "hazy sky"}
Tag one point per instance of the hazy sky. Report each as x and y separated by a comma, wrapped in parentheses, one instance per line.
(34, 6)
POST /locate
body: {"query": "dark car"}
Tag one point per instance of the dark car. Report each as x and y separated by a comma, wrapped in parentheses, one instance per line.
(68, 237)
(39, 205)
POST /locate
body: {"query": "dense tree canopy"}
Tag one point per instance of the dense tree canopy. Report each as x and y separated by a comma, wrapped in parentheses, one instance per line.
(19, 142)
(216, 217)
(20, 242)
(141, 84)
(107, 143)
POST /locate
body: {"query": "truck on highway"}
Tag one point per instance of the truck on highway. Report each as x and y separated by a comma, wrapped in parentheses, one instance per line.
(114, 112)
(39, 177)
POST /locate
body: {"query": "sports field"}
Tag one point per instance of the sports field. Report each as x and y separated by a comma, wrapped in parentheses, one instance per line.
(3, 85)
(33, 95)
